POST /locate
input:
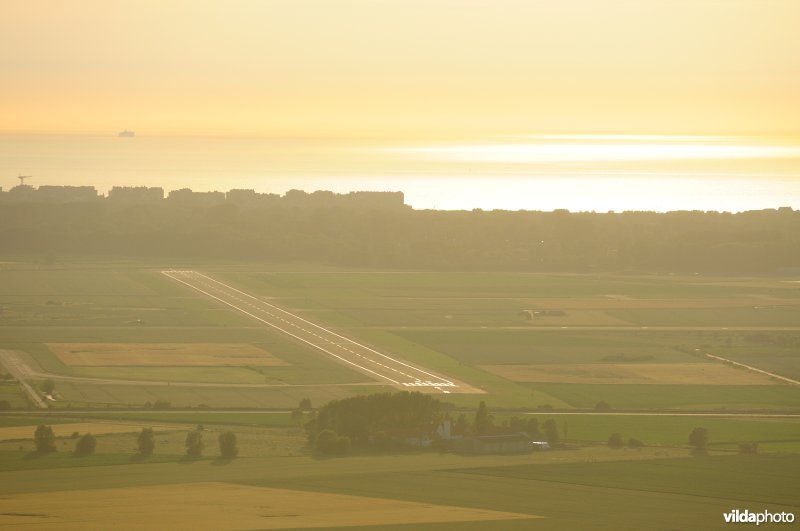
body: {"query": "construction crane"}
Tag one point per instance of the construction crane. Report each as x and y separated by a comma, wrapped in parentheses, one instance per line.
(22, 179)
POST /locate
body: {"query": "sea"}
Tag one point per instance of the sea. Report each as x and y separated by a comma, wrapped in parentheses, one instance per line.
(597, 173)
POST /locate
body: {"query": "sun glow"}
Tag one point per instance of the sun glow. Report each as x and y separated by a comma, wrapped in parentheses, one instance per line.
(604, 148)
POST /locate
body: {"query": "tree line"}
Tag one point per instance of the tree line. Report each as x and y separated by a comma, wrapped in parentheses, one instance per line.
(757, 241)
(44, 440)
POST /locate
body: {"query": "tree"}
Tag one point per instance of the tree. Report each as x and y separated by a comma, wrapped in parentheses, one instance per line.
(615, 441)
(602, 406)
(227, 445)
(194, 444)
(698, 438)
(48, 386)
(146, 442)
(5, 405)
(550, 431)
(532, 428)
(329, 442)
(305, 404)
(482, 420)
(748, 448)
(297, 415)
(45, 439)
(461, 426)
(85, 445)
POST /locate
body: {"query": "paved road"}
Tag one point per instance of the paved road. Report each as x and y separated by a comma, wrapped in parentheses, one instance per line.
(19, 370)
(383, 367)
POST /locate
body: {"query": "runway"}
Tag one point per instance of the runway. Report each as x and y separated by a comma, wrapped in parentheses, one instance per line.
(386, 367)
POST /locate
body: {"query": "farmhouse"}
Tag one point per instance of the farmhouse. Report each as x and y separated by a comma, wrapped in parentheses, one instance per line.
(517, 443)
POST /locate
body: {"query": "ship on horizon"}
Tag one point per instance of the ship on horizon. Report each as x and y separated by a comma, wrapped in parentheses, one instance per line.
(126, 134)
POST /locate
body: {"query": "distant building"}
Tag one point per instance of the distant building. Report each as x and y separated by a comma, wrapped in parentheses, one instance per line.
(518, 443)
(250, 198)
(185, 196)
(136, 194)
(66, 194)
(444, 429)
(352, 199)
(52, 194)
(239, 197)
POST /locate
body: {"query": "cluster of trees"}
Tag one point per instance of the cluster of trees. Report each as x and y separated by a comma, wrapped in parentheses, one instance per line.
(367, 419)
(757, 241)
(228, 446)
(616, 441)
(781, 339)
(484, 424)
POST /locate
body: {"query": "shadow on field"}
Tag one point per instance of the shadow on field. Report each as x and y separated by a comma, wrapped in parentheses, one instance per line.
(36, 454)
(222, 461)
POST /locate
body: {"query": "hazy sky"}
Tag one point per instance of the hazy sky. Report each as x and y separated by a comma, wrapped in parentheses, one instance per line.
(400, 67)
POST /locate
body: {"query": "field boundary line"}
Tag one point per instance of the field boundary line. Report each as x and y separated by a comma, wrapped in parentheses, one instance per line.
(751, 368)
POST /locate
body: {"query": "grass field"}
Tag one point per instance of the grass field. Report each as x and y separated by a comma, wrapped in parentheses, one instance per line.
(179, 373)
(260, 418)
(76, 395)
(10, 391)
(459, 324)
(619, 495)
(66, 429)
(775, 358)
(590, 488)
(493, 299)
(716, 476)
(682, 397)
(504, 346)
(632, 373)
(773, 434)
(162, 354)
(471, 326)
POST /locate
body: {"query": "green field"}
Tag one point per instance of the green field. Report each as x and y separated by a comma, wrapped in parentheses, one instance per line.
(616, 495)
(589, 489)
(773, 434)
(11, 391)
(453, 323)
(260, 418)
(683, 397)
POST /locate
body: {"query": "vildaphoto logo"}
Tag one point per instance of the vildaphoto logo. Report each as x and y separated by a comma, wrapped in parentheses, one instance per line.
(737, 516)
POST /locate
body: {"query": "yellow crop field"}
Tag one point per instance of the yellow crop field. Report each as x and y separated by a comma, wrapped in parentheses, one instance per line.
(630, 373)
(9, 433)
(162, 354)
(221, 506)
